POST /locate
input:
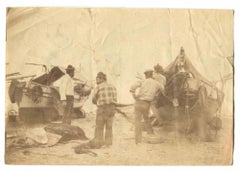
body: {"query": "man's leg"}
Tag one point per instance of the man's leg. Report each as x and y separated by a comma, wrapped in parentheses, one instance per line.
(110, 110)
(68, 110)
(138, 124)
(98, 135)
(157, 115)
(145, 112)
(108, 133)
(58, 105)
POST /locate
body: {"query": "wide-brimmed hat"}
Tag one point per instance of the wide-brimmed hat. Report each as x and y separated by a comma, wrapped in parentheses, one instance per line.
(70, 68)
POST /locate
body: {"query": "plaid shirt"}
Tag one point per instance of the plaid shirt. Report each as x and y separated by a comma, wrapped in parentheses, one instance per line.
(104, 94)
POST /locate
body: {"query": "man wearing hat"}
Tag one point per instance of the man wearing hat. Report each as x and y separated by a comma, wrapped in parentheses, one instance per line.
(67, 90)
(158, 74)
(148, 89)
(105, 97)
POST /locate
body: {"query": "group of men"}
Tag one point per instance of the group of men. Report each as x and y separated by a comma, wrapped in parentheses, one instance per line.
(105, 98)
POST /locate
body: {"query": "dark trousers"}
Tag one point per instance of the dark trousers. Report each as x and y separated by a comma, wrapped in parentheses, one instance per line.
(142, 110)
(104, 119)
(156, 112)
(68, 110)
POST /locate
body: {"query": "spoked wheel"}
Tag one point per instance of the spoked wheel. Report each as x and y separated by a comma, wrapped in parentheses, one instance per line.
(12, 115)
(199, 124)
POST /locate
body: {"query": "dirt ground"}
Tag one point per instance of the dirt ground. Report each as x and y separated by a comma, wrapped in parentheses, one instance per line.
(174, 148)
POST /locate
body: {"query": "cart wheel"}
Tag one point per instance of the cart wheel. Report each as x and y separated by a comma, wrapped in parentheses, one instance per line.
(12, 115)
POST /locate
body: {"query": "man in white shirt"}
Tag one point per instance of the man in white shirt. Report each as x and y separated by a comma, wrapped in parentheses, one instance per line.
(148, 89)
(158, 74)
(69, 94)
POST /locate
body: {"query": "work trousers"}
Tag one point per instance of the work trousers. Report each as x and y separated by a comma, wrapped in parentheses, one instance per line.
(142, 110)
(68, 110)
(156, 112)
(104, 119)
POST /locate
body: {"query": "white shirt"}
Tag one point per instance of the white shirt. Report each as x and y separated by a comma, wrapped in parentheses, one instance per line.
(66, 87)
(160, 78)
(148, 89)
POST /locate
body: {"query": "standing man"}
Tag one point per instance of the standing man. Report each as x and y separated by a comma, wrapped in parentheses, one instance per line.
(158, 74)
(148, 89)
(68, 90)
(105, 97)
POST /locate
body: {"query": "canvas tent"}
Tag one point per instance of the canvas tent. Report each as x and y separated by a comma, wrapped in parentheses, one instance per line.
(121, 42)
(170, 69)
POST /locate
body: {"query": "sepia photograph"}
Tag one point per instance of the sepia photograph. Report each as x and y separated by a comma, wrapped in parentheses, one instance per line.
(119, 86)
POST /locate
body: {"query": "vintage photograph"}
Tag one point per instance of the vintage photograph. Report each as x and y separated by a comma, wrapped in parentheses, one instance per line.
(119, 86)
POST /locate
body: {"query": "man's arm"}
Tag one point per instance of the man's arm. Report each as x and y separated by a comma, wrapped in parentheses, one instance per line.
(160, 88)
(164, 81)
(95, 96)
(134, 87)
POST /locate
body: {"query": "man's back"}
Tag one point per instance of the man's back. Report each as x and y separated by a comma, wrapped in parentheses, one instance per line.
(148, 89)
(105, 94)
(160, 78)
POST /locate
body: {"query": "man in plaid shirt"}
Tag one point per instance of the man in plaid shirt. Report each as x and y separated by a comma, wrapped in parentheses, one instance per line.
(105, 97)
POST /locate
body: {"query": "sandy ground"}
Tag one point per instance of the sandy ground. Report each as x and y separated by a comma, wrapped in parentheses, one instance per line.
(175, 148)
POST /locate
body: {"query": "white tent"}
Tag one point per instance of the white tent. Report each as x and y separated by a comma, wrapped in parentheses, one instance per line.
(121, 42)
